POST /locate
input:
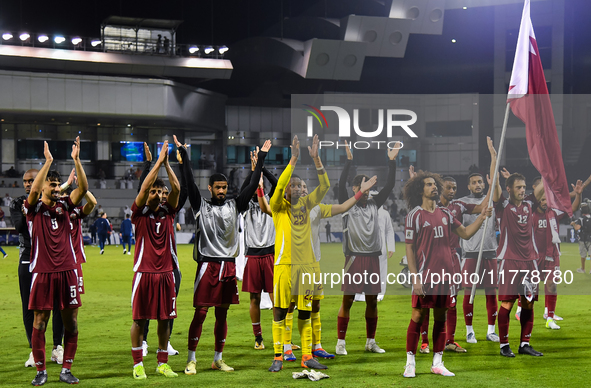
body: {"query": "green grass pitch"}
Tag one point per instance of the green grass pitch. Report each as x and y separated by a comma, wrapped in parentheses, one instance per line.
(104, 358)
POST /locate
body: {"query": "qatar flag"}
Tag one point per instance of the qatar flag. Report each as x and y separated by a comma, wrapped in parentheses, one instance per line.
(529, 99)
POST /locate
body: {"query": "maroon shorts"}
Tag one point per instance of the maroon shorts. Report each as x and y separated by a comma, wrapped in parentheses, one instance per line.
(436, 297)
(153, 296)
(362, 274)
(215, 284)
(54, 289)
(488, 274)
(515, 279)
(547, 263)
(80, 279)
(258, 274)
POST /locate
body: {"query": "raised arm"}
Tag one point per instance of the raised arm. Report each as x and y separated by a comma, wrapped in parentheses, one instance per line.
(493, 164)
(175, 187)
(192, 190)
(262, 200)
(319, 192)
(37, 186)
(343, 195)
(539, 191)
(348, 204)
(147, 166)
(142, 196)
(183, 193)
(245, 195)
(382, 196)
(466, 232)
(79, 193)
(285, 176)
(272, 180)
(69, 182)
(578, 190)
(90, 203)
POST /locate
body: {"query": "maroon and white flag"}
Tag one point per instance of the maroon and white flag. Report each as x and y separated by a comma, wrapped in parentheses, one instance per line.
(529, 99)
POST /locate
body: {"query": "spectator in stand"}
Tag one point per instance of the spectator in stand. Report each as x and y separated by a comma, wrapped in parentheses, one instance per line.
(12, 173)
(15, 184)
(101, 174)
(2, 184)
(7, 200)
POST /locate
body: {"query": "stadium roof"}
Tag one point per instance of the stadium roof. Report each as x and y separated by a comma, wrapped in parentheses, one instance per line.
(137, 23)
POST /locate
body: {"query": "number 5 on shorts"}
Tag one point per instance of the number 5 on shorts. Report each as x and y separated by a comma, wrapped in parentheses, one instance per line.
(73, 291)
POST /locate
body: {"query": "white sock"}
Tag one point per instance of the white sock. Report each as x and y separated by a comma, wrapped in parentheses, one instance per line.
(410, 358)
(316, 347)
(523, 344)
(341, 342)
(545, 310)
(160, 363)
(286, 347)
(139, 363)
(140, 348)
(65, 370)
(518, 309)
(503, 345)
(491, 329)
(437, 358)
(370, 341)
(217, 356)
(191, 356)
(469, 329)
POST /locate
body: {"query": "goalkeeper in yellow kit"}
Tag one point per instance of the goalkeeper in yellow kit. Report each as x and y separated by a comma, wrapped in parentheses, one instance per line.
(294, 255)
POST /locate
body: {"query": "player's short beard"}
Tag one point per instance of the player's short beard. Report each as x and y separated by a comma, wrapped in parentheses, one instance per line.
(478, 195)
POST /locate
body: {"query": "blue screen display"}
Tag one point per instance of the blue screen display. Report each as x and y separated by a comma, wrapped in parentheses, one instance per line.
(132, 151)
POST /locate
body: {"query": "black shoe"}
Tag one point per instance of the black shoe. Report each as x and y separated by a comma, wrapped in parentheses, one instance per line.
(277, 366)
(312, 363)
(40, 379)
(67, 377)
(507, 352)
(527, 349)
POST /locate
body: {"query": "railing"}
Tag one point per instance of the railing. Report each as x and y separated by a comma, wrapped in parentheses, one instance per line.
(114, 44)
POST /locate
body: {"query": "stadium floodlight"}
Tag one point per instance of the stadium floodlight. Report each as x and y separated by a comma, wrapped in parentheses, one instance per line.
(95, 42)
(76, 40)
(208, 50)
(24, 36)
(7, 36)
(43, 38)
(59, 39)
(193, 49)
(223, 49)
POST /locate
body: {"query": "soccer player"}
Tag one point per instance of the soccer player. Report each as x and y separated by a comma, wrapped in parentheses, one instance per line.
(103, 228)
(362, 244)
(177, 270)
(517, 256)
(24, 276)
(259, 236)
(294, 254)
(316, 214)
(125, 233)
(215, 250)
(428, 231)
(153, 295)
(53, 262)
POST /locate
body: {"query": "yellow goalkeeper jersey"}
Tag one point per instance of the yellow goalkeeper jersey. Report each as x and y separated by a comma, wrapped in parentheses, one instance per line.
(293, 244)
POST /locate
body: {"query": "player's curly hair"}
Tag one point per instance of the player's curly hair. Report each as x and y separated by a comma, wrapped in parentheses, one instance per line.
(53, 175)
(413, 189)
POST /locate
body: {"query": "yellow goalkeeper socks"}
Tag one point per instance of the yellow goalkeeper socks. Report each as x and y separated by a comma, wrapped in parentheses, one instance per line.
(316, 329)
(305, 327)
(278, 334)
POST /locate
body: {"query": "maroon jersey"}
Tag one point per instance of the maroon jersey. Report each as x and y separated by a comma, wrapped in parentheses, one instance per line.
(51, 239)
(544, 224)
(516, 226)
(430, 233)
(457, 210)
(154, 235)
(76, 217)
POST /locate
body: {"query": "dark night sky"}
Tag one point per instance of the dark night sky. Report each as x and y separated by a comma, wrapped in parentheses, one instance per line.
(432, 64)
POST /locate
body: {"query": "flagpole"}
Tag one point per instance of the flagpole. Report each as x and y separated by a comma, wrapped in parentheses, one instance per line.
(490, 200)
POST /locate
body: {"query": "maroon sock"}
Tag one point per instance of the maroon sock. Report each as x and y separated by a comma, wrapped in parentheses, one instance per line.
(491, 308)
(468, 310)
(527, 324)
(196, 328)
(425, 329)
(551, 304)
(137, 356)
(342, 324)
(412, 337)
(519, 302)
(70, 346)
(438, 336)
(256, 329)
(546, 297)
(451, 321)
(162, 356)
(504, 325)
(220, 329)
(38, 345)
(370, 326)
